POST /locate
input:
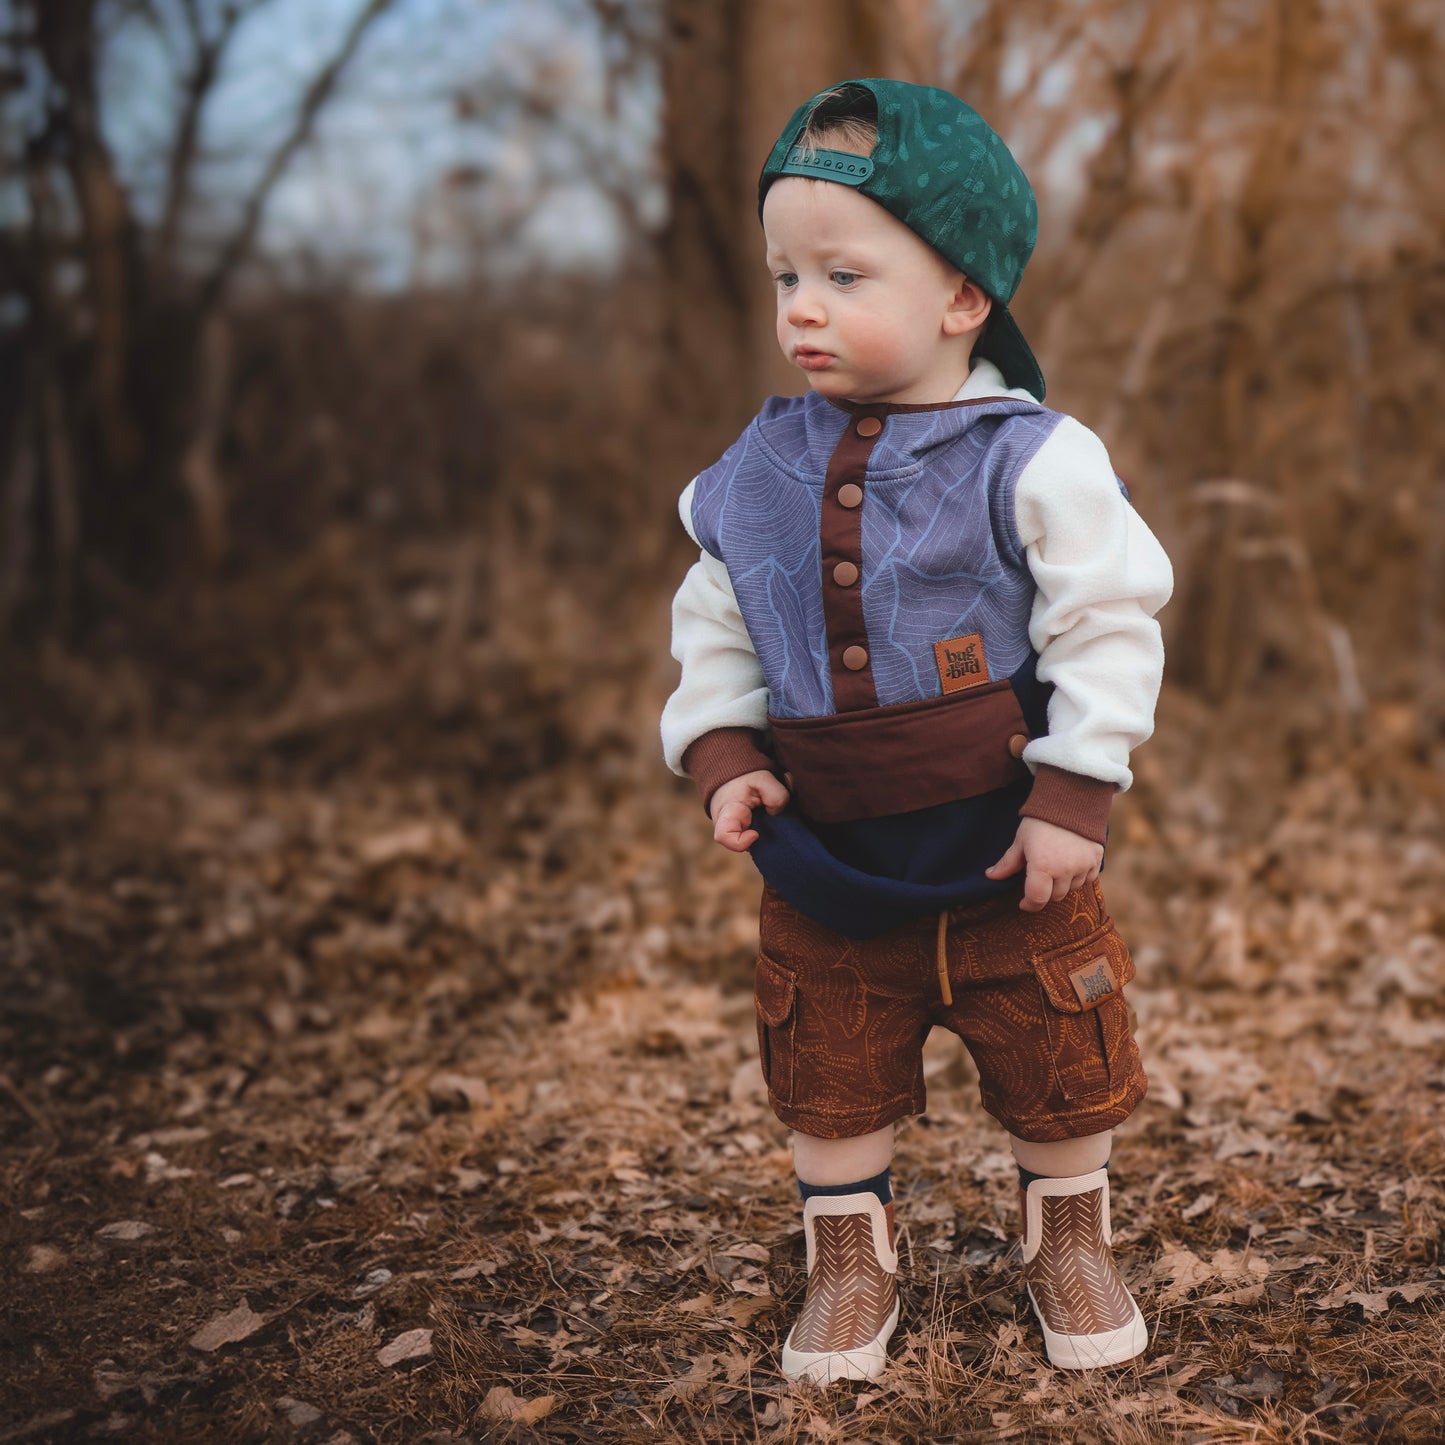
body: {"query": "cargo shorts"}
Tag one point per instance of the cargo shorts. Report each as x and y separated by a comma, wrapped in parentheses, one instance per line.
(1037, 998)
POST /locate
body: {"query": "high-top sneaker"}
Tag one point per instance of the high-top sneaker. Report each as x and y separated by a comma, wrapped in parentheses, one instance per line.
(1088, 1317)
(851, 1306)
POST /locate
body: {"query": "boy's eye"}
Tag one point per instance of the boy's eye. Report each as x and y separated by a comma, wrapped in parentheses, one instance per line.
(786, 280)
(842, 278)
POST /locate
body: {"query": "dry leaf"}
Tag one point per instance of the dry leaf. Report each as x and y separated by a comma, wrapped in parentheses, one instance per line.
(43, 1259)
(758, 1253)
(454, 1091)
(742, 1308)
(1185, 1374)
(411, 1345)
(411, 840)
(501, 1404)
(1186, 1272)
(1372, 1302)
(228, 1329)
(125, 1231)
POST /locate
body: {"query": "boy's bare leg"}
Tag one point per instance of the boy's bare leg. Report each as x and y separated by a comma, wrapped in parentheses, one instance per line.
(1064, 1158)
(851, 1306)
(1089, 1319)
(844, 1161)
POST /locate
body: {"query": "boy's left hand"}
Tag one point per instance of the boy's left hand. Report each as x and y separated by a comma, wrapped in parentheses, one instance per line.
(1057, 860)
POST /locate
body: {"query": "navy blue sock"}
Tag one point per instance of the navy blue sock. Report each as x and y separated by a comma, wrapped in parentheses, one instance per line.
(1025, 1178)
(879, 1184)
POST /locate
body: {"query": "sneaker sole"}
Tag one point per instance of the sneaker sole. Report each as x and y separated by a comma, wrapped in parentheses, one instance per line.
(1093, 1352)
(867, 1362)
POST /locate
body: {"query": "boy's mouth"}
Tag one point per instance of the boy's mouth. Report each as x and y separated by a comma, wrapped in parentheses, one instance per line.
(810, 358)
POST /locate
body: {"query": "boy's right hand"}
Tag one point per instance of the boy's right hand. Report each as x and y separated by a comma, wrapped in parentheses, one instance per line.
(732, 807)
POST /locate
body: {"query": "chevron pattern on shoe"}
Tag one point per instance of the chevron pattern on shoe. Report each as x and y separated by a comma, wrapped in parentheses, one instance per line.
(1075, 1284)
(850, 1294)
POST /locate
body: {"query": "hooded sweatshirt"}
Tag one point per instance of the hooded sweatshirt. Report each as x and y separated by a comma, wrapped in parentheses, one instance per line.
(934, 619)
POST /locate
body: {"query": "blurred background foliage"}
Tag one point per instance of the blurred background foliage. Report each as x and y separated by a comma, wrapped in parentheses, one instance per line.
(298, 281)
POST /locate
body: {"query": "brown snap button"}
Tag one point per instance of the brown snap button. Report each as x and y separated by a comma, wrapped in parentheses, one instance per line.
(845, 574)
(1017, 743)
(855, 658)
(850, 494)
(869, 426)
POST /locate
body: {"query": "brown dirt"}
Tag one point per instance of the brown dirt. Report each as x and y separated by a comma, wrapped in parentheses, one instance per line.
(392, 984)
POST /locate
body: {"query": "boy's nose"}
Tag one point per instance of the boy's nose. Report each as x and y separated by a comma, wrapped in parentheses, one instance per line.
(804, 307)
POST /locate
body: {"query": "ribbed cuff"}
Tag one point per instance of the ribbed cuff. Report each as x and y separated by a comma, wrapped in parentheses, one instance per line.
(1071, 801)
(722, 755)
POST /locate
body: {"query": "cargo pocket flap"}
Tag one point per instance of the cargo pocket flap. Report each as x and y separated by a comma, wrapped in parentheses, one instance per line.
(773, 991)
(1082, 975)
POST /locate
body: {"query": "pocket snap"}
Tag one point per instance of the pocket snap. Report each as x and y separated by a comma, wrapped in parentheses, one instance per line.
(1087, 1019)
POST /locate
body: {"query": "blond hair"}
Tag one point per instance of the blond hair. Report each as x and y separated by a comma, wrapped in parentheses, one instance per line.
(854, 131)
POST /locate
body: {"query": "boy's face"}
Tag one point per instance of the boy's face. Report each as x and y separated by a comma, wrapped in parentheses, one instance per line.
(869, 311)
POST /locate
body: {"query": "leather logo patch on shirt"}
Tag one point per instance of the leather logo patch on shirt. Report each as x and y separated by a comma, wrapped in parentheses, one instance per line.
(1095, 980)
(961, 662)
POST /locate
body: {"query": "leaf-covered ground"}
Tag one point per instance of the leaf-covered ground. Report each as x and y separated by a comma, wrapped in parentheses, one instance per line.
(377, 1060)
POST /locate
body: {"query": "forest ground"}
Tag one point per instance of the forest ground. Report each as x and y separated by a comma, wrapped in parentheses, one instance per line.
(365, 973)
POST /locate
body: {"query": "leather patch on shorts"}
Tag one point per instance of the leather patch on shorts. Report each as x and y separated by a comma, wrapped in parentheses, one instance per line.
(961, 662)
(1094, 980)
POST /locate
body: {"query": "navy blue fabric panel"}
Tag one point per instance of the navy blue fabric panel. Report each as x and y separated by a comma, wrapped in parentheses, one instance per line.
(938, 846)
(1033, 696)
(791, 856)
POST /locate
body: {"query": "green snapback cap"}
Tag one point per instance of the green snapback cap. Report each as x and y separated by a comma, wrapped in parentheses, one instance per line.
(943, 171)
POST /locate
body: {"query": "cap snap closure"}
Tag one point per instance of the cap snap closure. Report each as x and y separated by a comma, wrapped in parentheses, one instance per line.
(850, 494)
(1017, 743)
(855, 658)
(869, 426)
(845, 574)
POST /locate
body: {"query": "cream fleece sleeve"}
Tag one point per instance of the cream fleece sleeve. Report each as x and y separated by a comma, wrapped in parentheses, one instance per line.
(722, 682)
(1101, 577)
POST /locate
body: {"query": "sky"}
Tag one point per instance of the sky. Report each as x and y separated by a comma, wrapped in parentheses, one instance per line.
(437, 91)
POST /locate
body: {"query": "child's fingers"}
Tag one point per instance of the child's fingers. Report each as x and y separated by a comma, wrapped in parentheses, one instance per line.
(1038, 890)
(730, 828)
(772, 793)
(1009, 864)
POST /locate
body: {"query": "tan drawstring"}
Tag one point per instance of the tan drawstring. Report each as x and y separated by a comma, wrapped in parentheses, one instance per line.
(943, 987)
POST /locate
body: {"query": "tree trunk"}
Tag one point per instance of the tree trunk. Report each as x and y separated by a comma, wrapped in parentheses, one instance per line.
(735, 71)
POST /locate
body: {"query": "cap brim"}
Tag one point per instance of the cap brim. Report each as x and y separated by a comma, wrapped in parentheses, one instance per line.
(1003, 344)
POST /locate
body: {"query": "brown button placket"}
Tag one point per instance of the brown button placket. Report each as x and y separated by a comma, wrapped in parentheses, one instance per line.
(841, 541)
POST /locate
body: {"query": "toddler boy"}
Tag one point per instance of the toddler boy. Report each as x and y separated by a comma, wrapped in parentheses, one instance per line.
(917, 649)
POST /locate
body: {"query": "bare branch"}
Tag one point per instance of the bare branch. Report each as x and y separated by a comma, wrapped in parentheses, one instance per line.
(193, 21)
(180, 170)
(239, 246)
(65, 35)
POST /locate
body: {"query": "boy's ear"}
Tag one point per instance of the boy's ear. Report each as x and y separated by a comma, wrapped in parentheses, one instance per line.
(967, 310)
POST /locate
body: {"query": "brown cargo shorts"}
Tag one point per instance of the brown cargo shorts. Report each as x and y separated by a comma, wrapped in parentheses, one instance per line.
(1037, 999)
